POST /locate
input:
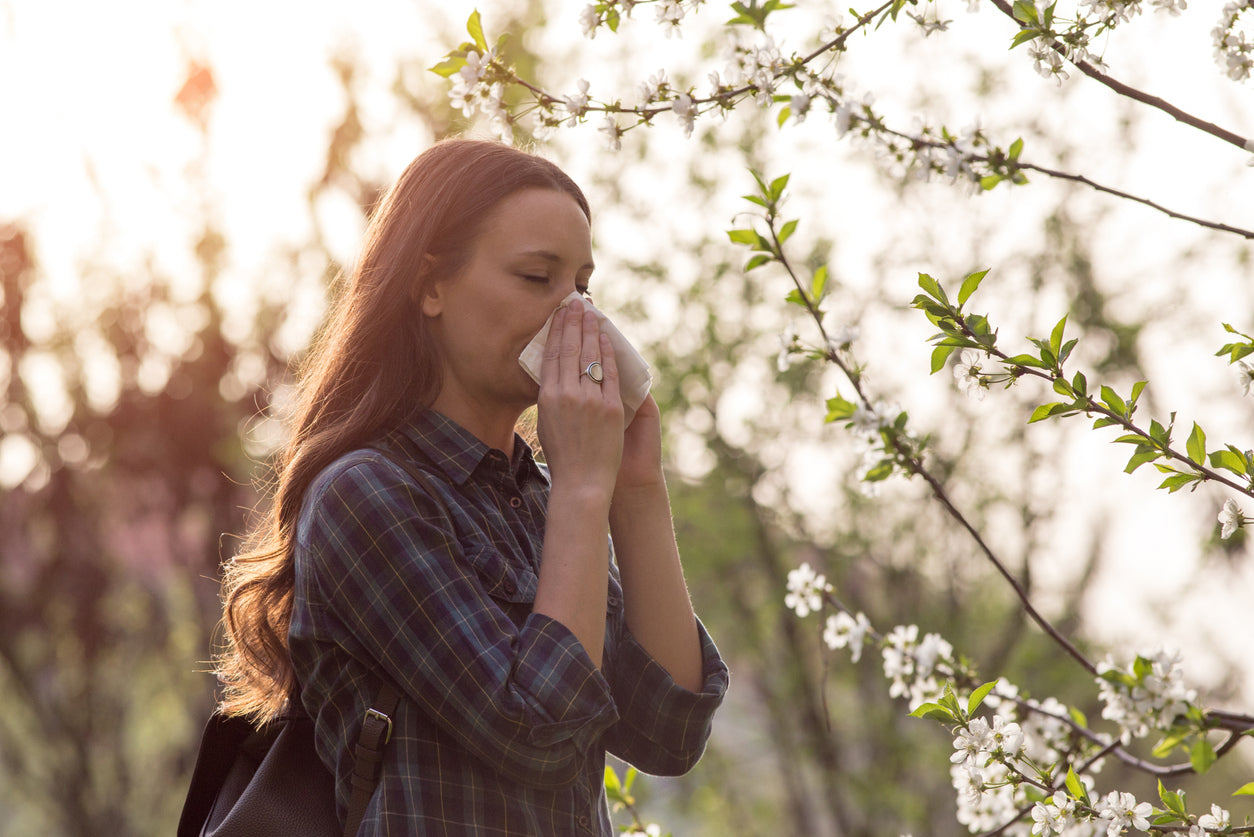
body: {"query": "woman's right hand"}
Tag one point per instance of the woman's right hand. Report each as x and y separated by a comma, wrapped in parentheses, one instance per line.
(580, 421)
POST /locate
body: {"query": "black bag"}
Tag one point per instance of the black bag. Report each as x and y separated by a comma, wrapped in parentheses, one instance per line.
(270, 782)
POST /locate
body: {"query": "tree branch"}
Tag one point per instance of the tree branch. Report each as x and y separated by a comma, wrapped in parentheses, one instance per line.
(1122, 89)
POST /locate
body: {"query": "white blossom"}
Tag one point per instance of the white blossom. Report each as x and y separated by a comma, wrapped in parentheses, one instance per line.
(1230, 518)
(800, 106)
(1153, 702)
(1217, 820)
(1007, 736)
(1245, 375)
(671, 14)
(1234, 53)
(1054, 816)
(985, 801)
(1047, 61)
(589, 20)
(650, 89)
(930, 21)
(613, 133)
(1171, 7)
(805, 590)
(686, 111)
(1046, 733)
(843, 631)
(972, 742)
(1123, 810)
(578, 103)
(843, 336)
(967, 373)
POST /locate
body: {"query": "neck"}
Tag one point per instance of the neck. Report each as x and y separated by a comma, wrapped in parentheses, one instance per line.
(493, 425)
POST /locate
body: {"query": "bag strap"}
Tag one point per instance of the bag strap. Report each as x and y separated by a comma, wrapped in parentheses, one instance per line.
(376, 729)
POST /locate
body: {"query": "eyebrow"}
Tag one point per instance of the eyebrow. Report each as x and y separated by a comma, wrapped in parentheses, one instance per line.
(553, 258)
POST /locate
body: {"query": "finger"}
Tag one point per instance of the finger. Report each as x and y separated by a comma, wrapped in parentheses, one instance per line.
(590, 346)
(609, 370)
(549, 371)
(570, 345)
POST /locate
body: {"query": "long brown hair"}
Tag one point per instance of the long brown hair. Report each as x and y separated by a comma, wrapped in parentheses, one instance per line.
(373, 365)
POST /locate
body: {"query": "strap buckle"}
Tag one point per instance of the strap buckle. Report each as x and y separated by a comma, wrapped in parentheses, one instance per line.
(379, 717)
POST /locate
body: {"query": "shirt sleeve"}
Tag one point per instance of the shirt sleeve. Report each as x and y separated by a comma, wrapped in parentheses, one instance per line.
(664, 727)
(381, 556)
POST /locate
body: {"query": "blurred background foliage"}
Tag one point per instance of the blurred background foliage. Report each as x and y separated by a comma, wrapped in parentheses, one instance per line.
(171, 396)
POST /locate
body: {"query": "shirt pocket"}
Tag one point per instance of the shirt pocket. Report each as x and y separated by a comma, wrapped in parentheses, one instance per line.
(507, 580)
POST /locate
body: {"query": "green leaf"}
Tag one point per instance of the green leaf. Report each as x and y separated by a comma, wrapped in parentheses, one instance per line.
(1112, 400)
(777, 187)
(1175, 482)
(743, 236)
(1050, 410)
(1196, 446)
(1074, 787)
(1245, 790)
(1025, 11)
(989, 182)
(1065, 352)
(1143, 455)
(1172, 800)
(977, 697)
(838, 409)
(787, 230)
(784, 113)
(1229, 461)
(1080, 384)
(933, 289)
(1016, 148)
(969, 285)
(1136, 394)
(939, 355)
(450, 65)
(881, 471)
(818, 282)
(1202, 756)
(933, 711)
(474, 26)
(612, 785)
(757, 261)
(1024, 360)
(1055, 338)
(795, 297)
(1023, 37)
(629, 779)
(1170, 742)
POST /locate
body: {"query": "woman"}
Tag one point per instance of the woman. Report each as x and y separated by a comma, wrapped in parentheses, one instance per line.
(488, 595)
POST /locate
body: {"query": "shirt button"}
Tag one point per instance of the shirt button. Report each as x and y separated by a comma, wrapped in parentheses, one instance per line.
(584, 822)
(515, 502)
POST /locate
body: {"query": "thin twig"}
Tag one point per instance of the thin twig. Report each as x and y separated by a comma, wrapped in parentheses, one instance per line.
(1144, 98)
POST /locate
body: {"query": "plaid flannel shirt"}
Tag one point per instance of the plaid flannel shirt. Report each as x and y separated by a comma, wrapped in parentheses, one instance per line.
(504, 721)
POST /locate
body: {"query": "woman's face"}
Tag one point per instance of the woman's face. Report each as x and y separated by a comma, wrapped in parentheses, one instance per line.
(533, 250)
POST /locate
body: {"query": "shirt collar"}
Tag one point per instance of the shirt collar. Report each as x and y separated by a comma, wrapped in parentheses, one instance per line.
(458, 452)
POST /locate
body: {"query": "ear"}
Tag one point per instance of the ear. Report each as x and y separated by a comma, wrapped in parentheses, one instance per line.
(429, 288)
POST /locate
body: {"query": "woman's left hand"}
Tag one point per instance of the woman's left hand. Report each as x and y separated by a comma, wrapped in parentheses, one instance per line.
(641, 465)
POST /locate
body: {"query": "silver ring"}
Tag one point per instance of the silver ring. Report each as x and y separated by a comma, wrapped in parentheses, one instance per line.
(594, 372)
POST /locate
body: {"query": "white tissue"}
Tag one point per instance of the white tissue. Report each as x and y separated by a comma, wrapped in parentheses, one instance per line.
(634, 378)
